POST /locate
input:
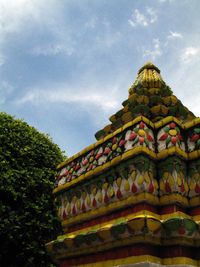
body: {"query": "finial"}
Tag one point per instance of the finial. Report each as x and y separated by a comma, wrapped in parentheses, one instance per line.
(149, 65)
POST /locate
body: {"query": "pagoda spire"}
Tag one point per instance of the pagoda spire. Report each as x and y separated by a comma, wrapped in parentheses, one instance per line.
(149, 96)
(148, 77)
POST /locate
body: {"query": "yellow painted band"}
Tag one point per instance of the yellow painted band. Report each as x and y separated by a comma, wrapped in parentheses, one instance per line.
(144, 258)
(121, 243)
(140, 214)
(108, 245)
(129, 260)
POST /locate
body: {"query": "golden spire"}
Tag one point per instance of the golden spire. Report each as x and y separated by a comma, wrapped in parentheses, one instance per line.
(150, 97)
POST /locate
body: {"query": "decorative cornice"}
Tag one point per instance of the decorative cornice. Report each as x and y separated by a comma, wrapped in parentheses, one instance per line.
(147, 229)
(131, 152)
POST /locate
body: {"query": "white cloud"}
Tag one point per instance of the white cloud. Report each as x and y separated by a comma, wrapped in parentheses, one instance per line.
(174, 35)
(155, 52)
(138, 18)
(5, 90)
(64, 94)
(16, 14)
(21, 17)
(52, 50)
(152, 14)
(109, 39)
(91, 23)
(189, 54)
(184, 81)
(163, 1)
(2, 59)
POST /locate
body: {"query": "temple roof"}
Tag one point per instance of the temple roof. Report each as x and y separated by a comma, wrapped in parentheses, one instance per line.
(149, 96)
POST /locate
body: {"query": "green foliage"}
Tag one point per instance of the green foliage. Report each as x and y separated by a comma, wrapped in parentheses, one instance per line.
(28, 161)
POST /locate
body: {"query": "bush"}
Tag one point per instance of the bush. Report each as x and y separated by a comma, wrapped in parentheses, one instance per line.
(28, 162)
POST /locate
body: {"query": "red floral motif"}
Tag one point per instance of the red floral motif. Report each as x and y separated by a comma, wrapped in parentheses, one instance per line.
(181, 230)
(119, 193)
(94, 203)
(74, 210)
(151, 187)
(140, 134)
(132, 136)
(197, 189)
(107, 150)
(134, 188)
(194, 139)
(64, 215)
(171, 134)
(83, 207)
(78, 166)
(98, 155)
(106, 198)
(85, 162)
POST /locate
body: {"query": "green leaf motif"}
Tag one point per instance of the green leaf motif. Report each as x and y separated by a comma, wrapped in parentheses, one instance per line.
(166, 129)
(146, 142)
(172, 225)
(168, 140)
(135, 141)
(190, 225)
(198, 143)
(197, 130)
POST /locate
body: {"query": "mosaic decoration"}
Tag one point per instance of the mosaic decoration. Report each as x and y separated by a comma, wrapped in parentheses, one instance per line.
(141, 135)
(172, 173)
(194, 139)
(137, 135)
(133, 177)
(194, 178)
(169, 136)
(134, 195)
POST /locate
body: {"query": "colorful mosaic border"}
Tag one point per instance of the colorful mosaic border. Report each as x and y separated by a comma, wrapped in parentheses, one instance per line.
(157, 140)
(134, 181)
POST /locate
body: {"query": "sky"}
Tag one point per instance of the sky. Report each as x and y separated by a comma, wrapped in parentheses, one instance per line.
(66, 65)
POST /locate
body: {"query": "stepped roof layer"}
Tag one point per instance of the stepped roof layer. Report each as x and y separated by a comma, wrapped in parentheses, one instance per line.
(134, 195)
(149, 96)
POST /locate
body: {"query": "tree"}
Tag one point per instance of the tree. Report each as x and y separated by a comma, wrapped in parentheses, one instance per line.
(28, 162)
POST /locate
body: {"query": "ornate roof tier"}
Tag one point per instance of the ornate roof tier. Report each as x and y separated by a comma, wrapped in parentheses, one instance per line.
(133, 197)
(149, 96)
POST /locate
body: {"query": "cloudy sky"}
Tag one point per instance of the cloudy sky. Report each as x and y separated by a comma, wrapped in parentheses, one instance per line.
(66, 65)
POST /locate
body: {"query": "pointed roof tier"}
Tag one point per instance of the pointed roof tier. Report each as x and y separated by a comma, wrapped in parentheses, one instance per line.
(149, 96)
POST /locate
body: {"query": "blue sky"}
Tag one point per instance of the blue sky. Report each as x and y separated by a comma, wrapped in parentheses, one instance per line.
(66, 66)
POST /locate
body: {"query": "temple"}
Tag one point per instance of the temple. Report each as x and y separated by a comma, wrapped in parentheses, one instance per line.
(133, 197)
